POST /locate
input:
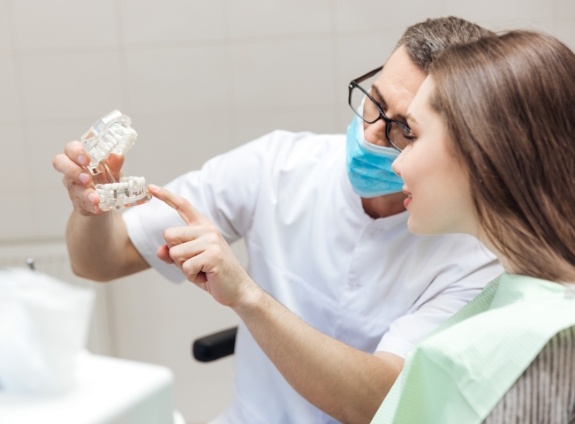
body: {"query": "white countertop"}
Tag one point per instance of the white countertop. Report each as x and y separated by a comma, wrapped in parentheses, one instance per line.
(107, 391)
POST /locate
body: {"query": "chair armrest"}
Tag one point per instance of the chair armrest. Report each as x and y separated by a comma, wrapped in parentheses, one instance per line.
(215, 346)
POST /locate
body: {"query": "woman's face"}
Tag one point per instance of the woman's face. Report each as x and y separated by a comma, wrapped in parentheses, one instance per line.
(435, 182)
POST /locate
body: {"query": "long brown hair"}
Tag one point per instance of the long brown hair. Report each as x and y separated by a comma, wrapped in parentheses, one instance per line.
(509, 105)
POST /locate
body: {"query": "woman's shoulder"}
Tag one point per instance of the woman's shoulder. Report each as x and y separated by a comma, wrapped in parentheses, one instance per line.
(545, 391)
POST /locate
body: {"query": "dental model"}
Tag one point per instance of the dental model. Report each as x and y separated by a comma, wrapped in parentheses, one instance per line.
(113, 134)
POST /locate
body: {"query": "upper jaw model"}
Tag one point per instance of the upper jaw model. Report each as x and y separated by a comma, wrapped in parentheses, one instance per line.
(113, 134)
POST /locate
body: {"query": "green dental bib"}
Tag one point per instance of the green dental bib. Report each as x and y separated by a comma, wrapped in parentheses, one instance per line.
(461, 371)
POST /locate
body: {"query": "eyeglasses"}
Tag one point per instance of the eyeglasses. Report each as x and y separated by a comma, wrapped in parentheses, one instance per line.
(396, 133)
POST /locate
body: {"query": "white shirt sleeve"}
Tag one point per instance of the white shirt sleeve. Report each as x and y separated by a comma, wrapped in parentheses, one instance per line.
(463, 270)
(225, 190)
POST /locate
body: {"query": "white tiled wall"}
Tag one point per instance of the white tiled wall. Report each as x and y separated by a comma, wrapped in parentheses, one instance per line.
(198, 77)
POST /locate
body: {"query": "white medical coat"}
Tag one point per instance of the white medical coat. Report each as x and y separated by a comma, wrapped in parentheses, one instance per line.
(367, 282)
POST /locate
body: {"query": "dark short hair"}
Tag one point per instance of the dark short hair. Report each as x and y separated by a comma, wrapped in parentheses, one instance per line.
(425, 40)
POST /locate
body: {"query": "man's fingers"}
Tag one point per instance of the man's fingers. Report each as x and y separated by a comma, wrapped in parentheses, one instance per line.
(163, 252)
(188, 213)
(76, 152)
(115, 163)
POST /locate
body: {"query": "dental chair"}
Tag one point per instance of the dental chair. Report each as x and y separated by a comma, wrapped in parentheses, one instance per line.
(215, 346)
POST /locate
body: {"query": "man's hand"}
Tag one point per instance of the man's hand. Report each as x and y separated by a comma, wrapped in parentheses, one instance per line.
(77, 179)
(203, 255)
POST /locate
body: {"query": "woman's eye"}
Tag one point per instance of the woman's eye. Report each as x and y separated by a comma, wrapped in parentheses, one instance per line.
(409, 136)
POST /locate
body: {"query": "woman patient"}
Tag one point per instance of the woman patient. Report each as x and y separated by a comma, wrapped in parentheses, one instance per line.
(492, 154)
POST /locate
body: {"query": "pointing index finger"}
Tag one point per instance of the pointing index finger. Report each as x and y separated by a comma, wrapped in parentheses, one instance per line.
(181, 205)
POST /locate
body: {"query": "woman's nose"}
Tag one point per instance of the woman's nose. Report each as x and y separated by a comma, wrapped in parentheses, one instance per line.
(396, 165)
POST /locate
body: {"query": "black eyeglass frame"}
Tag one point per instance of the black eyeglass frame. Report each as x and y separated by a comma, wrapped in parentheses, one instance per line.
(355, 84)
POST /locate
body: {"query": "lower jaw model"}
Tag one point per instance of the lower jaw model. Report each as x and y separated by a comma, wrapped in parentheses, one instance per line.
(113, 134)
(129, 191)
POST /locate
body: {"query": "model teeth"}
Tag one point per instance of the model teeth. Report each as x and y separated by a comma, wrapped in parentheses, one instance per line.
(113, 134)
(110, 134)
(129, 191)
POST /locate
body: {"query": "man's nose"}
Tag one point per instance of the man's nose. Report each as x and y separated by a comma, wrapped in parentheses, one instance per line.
(375, 133)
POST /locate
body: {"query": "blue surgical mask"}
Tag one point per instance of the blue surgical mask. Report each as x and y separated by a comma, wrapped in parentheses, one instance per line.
(369, 165)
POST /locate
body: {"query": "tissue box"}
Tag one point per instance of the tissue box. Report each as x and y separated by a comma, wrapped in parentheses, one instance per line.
(44, 325)
(46, 376)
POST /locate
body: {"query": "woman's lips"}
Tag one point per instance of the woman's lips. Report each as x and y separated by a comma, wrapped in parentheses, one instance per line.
(408, 198)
